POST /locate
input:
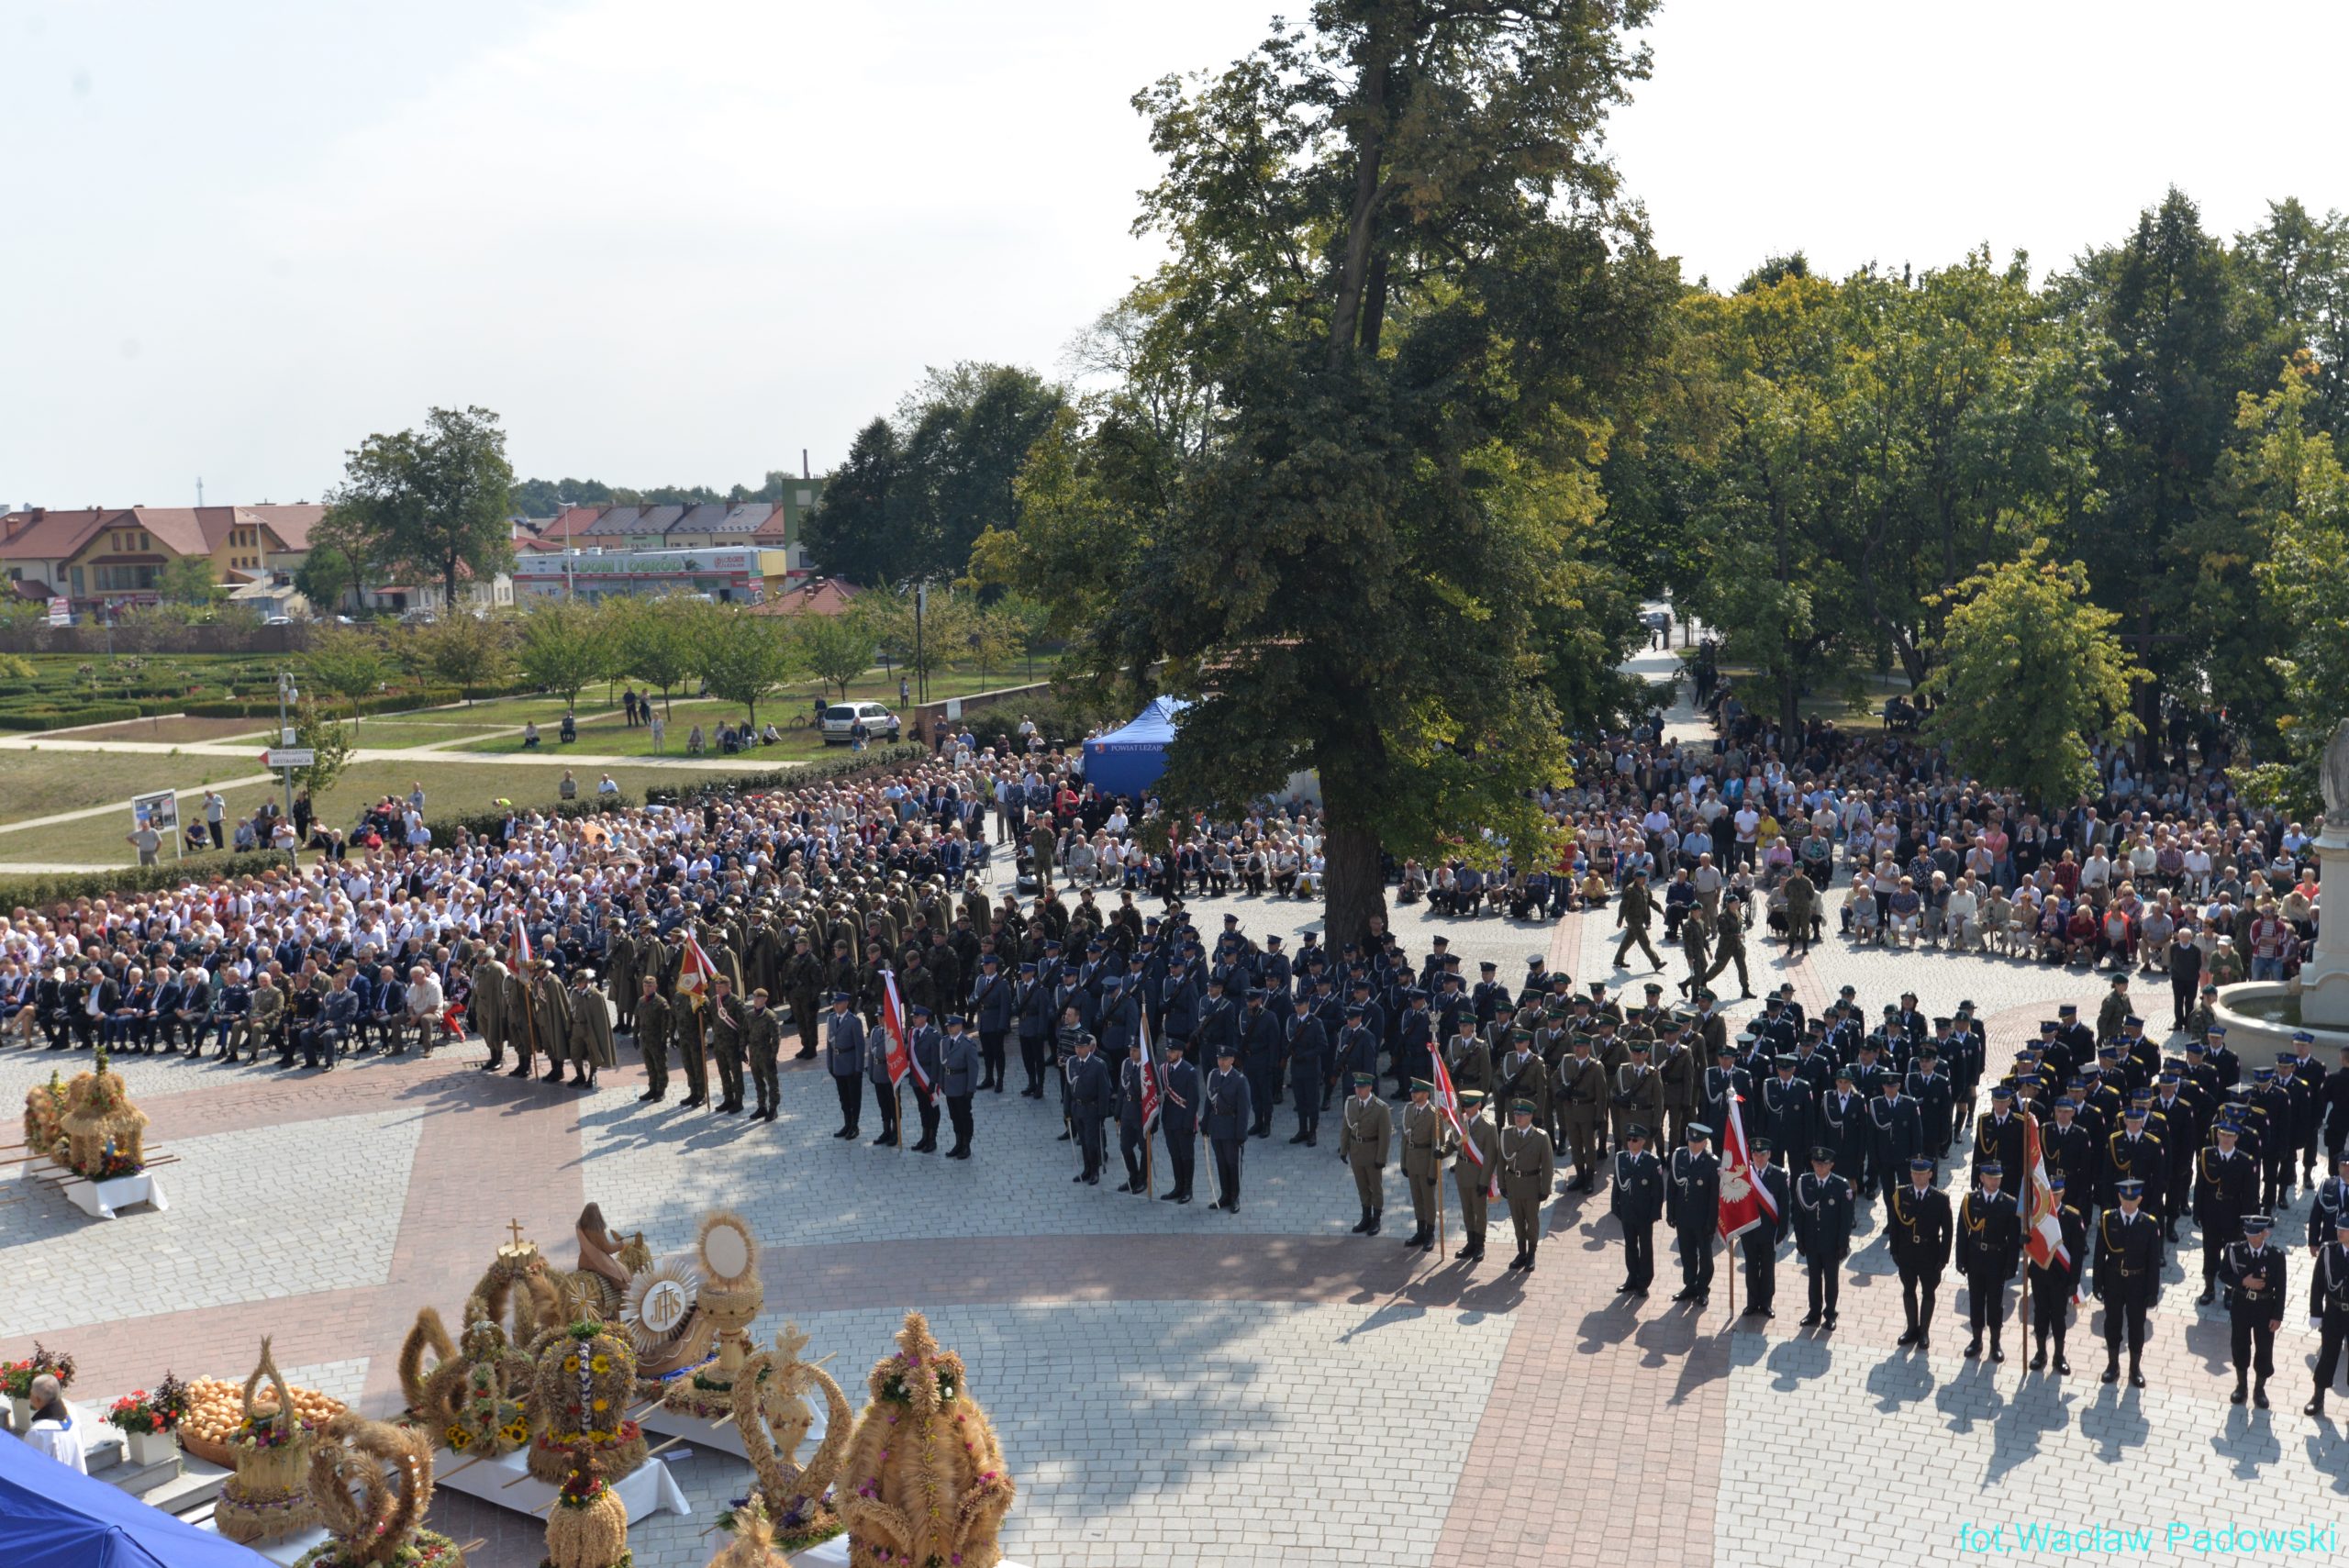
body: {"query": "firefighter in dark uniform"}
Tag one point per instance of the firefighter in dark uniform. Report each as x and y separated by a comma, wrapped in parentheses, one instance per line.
(2252, 1273)
(1788, 1112)
(2132, 1154)
(1760, 1242)
(1895, 1134)
(2051, 1287)
(2128, 1276)
(2226, 1188)
(1229, 1115)
(1997, 1137)
(1918, 1223)
(1990, 1248)
(2331, 1291)
(2068, 1150)
(1936, 1099)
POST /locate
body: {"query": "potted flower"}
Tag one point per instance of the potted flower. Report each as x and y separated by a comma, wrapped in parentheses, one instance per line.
(17, 1377)
(148, 1420)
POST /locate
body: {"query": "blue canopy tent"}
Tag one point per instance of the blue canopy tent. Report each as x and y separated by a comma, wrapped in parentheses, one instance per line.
(54, 1518)
(1129, 759)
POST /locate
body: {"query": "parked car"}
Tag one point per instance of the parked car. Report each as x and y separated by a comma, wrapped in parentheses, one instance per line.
(840, 718)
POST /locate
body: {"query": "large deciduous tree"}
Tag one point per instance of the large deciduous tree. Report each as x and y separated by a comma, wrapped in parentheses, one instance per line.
(1351, 509)
(741, 657)
(565, 647)
(434, 499)
(2030, 677)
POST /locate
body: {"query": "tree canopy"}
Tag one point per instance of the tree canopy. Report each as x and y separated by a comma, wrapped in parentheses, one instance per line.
(434, 500)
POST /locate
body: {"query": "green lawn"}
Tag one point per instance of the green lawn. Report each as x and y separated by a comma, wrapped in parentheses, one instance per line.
(43, 783)
(607, 740)
(508, 710)
(450, 789)
(403, 732)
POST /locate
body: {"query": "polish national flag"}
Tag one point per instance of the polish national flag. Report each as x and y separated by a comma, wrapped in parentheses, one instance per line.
(1447, 1100)
(521, 948)
(1153, 1090)
(694, 972)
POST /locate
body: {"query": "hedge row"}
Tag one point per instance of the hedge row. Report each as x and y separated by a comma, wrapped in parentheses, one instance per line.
(52, 718)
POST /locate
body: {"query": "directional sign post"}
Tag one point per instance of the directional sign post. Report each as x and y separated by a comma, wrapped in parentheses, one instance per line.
(288, 757)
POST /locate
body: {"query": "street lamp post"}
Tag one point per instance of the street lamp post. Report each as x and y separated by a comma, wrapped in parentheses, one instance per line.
(287, 695)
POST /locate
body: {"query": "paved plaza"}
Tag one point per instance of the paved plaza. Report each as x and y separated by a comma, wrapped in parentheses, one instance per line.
(1172, 1385)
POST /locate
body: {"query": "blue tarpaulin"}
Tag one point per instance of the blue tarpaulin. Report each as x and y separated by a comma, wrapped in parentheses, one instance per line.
(54, 1518)
(1129, 759)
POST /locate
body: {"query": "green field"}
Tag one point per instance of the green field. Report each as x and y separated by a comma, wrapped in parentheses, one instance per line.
(450, 789)
(43, 783)
(401, 732)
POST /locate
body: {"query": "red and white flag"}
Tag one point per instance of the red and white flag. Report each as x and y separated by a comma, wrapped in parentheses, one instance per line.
(2043, 1231)
(1745, 1199)
(694, 972)
(1152, 1091)
(1447, 1100)
(521, 948)
(902, 1059)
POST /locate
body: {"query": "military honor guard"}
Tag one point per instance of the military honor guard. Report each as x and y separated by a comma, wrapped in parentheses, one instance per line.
(1133, 1134)
(2252, 1273)
(1427, 1142)
(1581, 1099)
(1528, 1169)
(1636, 1199)
(1365, 1128)
(2128, 1276)
(1760, 1242)
(763, 1038)
(960, 1066)
(1694, 1199)
(1477, 1178)
(1308, 1061)
(1822, 1205)
(2226, 1186)
(1919, 1230)
(652, 1020)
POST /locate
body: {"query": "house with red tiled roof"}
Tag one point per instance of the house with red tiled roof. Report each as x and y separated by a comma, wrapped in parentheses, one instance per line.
(814, 596)
(118, 554)
(573, 522)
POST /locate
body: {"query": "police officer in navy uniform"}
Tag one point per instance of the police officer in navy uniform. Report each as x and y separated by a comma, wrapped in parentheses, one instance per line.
(1033, 997)
(1262, 1042)
(1919, 1228)
(2252, 1273)
(2128, 1276)
(1090, 1093)
(960, 1065)
(1134, 1137)
(1989, 1247)
(1694, 1197)
(1636, 1199)
(1822, 1232)
(1309, 1053)
(926, 1044)
(1178, 1117)
(1229, 1115)
(844, 1061)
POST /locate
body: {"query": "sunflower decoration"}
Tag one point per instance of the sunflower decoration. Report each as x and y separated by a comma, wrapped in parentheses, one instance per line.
(579, 1396)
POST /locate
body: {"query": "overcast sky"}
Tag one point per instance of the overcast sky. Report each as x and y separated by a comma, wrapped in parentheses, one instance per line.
(679, 242)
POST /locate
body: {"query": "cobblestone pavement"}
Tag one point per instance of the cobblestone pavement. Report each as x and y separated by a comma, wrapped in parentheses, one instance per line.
(1176, 1386)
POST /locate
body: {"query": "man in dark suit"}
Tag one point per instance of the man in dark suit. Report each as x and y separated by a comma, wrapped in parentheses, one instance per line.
(1229, 1116)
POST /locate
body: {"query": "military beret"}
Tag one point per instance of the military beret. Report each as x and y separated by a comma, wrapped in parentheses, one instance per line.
(1635, 1131)
(1823, 1153)
(2129, 1186)
(1365, 1079)
(1697, 1129)
(1921, 1162)
(1990, 1168)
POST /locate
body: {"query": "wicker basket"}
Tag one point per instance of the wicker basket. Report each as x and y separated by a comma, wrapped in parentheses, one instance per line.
(269, 1496)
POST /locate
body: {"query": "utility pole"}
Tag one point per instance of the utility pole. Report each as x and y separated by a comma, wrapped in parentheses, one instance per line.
(199, 489)
(922, 666)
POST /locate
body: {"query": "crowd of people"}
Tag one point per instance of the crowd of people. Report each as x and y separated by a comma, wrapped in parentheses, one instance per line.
(857, 917)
